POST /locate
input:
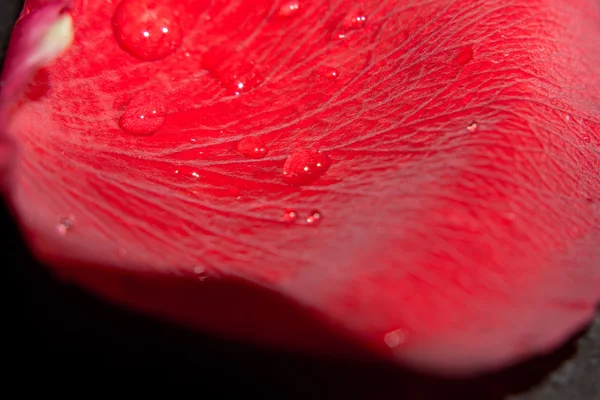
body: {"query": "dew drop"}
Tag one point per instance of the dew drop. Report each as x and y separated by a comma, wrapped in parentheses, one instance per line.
(147, 29)
(144, 114)
(241, 81)
(252, 147)
(289, 9)
(465, 56)
(314, 218)
(200, 273)
(329, 73)
(395, 338)
(65, 225)
(234, 74)
(586, 138)
(289, 216)
(354, 20)
(473, 126)
(304, 166)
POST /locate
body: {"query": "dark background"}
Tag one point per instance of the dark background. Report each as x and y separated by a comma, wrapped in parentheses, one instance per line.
(61, 335)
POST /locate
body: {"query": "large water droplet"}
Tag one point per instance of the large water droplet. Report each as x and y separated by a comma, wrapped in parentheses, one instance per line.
(289, 216)
(304, 166)
(314, 218)
(147, 29)
(289, 8)
(252, 147)
(144, 114)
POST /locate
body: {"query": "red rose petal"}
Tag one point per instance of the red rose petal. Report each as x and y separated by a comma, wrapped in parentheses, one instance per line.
(458, 215)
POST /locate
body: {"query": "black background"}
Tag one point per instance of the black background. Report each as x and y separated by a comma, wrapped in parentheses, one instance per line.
(60, 336)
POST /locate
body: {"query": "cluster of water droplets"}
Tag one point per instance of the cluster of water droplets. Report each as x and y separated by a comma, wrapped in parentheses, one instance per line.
(151, 30)
(313, 218)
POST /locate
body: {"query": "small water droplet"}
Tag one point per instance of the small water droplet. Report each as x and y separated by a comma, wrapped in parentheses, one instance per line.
(200, 272)
(65, 225)
(252, 147)
(586, 138)
(354, 20)
(395, 338)
(314, 218)
(289, 9)
(305, 166)
(568, 117)
(234, 74)
(289, 216)
(465, 56)
(329, 73)
(144, 114)
(147, 29)
(473, 126)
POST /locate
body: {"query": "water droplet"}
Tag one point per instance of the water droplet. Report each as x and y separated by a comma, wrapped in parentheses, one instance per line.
(395, 338)
(473, 126)
(252, 147)
(200, 272)
(314, 218)
(234, 74)
(241, 81)
(465, 56)
(144, 114)
(353, 20)
(147, 29)
(304, 166)
(65, 225)
(289, 9)
(586, 138)
(329, 73)
(289, 216)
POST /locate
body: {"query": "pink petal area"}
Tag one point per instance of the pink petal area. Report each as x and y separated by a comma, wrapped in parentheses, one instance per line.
(37, 39)
(458, 216)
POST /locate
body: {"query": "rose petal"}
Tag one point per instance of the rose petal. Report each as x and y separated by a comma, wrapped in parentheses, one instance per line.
(458, 213)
